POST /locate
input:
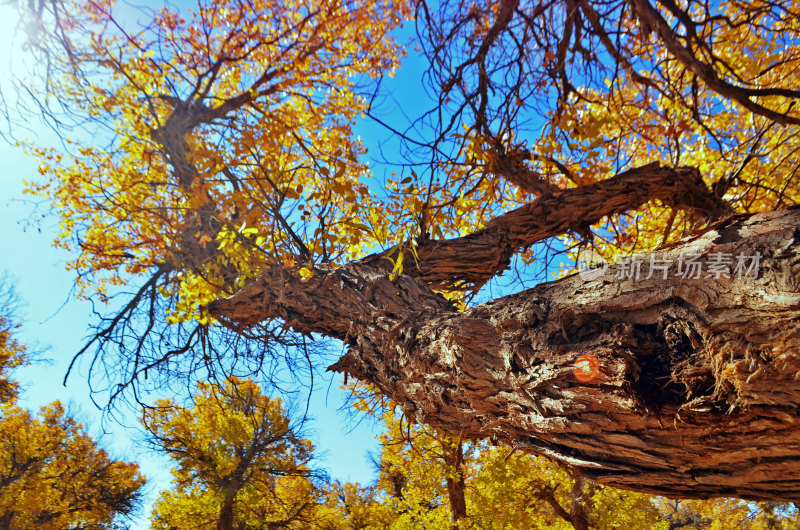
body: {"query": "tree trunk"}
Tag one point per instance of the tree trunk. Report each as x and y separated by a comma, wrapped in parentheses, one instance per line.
(576, 516)
(696, 393)
(225, 519)
(454, 458)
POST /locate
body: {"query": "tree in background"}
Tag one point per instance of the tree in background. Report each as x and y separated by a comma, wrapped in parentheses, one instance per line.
(422, 474)
(12, 353)
(663, 137)
(719, 514)
(352, 506)
(515, 490)
(52, 474)
(239, 463)
(432, 480)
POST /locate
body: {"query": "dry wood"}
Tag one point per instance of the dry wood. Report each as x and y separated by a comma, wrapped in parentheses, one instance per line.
(697, 394)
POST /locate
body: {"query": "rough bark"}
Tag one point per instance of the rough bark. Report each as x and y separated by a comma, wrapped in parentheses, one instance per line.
(697, 393)
(470, 261)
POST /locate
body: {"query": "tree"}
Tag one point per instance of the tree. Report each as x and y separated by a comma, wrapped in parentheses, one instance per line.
(516, 490)
(12, 352)
(661, 136)
(422, 475)
(239, 464)
(729, 513)
(52, 474)
(351, 506)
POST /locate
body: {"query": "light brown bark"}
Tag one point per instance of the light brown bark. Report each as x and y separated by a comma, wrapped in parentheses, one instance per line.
(472, 260)
(697, 393)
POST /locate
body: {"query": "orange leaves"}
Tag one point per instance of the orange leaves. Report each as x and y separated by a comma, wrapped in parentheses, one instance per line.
(241, 113)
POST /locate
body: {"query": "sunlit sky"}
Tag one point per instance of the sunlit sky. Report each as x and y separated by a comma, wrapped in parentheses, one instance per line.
(57, 324)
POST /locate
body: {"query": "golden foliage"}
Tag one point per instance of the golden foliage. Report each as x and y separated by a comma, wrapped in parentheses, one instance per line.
(238, 461)
(12, 355)
(233, 145)
(54, 476)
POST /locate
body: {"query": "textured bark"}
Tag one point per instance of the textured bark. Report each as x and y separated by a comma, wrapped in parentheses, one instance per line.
(472, 260)
(697, 393)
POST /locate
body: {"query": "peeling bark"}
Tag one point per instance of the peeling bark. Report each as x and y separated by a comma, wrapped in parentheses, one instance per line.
(697, 393)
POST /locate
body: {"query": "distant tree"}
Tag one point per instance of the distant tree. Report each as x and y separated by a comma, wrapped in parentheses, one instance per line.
(721, 514)
(12, 352)
(52, 474)
(239, 464)
(350, 506)
(512, 489)
(422, 474)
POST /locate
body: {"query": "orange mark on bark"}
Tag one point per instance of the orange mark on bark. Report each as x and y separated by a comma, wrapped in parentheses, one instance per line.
(586, 367)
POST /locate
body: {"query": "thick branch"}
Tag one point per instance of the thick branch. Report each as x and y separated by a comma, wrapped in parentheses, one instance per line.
(696, 394)
(474, 259)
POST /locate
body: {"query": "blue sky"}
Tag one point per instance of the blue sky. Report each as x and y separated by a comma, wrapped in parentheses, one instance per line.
(57, 324)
